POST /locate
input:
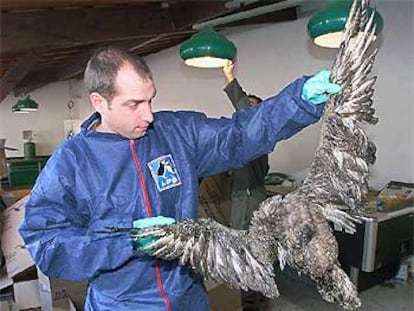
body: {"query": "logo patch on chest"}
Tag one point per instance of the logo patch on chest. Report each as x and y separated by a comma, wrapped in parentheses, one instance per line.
(164, 172)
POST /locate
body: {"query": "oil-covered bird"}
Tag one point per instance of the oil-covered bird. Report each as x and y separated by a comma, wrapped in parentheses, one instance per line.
(295, 230)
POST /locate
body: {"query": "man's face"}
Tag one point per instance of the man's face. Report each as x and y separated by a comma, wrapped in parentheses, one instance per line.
(130, 111)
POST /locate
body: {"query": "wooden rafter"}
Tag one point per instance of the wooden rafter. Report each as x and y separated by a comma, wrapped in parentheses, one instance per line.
(16, 73)
(57, 37)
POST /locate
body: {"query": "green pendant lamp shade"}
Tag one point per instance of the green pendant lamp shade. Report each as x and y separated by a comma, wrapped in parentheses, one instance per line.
(25, 105)
(207, 49)
(326, 28)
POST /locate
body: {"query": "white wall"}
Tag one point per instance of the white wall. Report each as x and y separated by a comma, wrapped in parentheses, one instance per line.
(48, 122)
(269, 57)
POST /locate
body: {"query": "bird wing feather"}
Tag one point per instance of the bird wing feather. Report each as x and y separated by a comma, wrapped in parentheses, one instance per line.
(339, 171)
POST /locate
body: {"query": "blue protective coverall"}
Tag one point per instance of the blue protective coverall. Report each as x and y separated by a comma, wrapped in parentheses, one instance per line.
(95, 180)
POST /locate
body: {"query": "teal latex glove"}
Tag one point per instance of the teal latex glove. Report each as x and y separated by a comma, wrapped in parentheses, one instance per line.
(146, 223)
(317, 89)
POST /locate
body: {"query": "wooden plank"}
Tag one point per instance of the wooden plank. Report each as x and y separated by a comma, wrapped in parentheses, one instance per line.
(17, 72)
(29, 30)
(285, 15)
(73, 67)
(39, 4)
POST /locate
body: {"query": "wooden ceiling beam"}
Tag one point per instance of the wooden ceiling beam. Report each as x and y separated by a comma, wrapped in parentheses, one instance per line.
(17, 72)
(25, 31)
(285, 15)
(71, 68)
(41, 4)
(44, 30)
(143, 27)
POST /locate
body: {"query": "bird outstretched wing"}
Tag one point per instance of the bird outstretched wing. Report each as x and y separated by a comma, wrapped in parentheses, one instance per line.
(337, 181)
(339, 172)
(217, 252)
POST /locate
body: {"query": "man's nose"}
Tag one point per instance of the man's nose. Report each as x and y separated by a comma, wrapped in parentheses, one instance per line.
(147, 115)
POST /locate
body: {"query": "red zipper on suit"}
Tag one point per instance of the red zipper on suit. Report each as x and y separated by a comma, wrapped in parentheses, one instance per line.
(149, 214)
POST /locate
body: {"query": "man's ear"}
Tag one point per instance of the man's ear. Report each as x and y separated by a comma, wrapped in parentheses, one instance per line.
(98, 102)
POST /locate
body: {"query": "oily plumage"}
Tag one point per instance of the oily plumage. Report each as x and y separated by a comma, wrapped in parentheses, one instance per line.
(294, 229)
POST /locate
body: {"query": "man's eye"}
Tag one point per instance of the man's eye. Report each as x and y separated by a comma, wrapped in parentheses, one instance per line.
(133, 105)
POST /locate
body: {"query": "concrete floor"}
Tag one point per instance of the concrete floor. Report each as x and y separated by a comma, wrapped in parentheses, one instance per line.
(296, 295)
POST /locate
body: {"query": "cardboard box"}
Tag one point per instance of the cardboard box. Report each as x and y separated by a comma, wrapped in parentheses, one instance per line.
(215, 198)
(49, 294)
(26, 294)
(64, 304)
(54, 292)
(17, 257)
(7, 305)
(5, 282)
(223, 298)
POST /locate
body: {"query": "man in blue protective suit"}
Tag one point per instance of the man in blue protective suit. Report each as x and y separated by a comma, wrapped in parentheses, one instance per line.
(129, 165)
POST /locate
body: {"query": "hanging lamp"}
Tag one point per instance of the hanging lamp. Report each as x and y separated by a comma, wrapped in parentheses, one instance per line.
(25, 105)
(207, 49)
(326, 27)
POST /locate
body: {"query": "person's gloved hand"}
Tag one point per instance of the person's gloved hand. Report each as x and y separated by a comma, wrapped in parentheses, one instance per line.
(149, 222)
(317, 89)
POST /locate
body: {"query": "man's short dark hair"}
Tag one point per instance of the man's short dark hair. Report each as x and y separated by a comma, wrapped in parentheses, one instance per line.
(257, 98)
(103, 67)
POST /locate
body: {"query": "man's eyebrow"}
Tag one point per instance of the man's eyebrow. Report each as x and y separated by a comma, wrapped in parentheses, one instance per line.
(133, 101)
(137, 101)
